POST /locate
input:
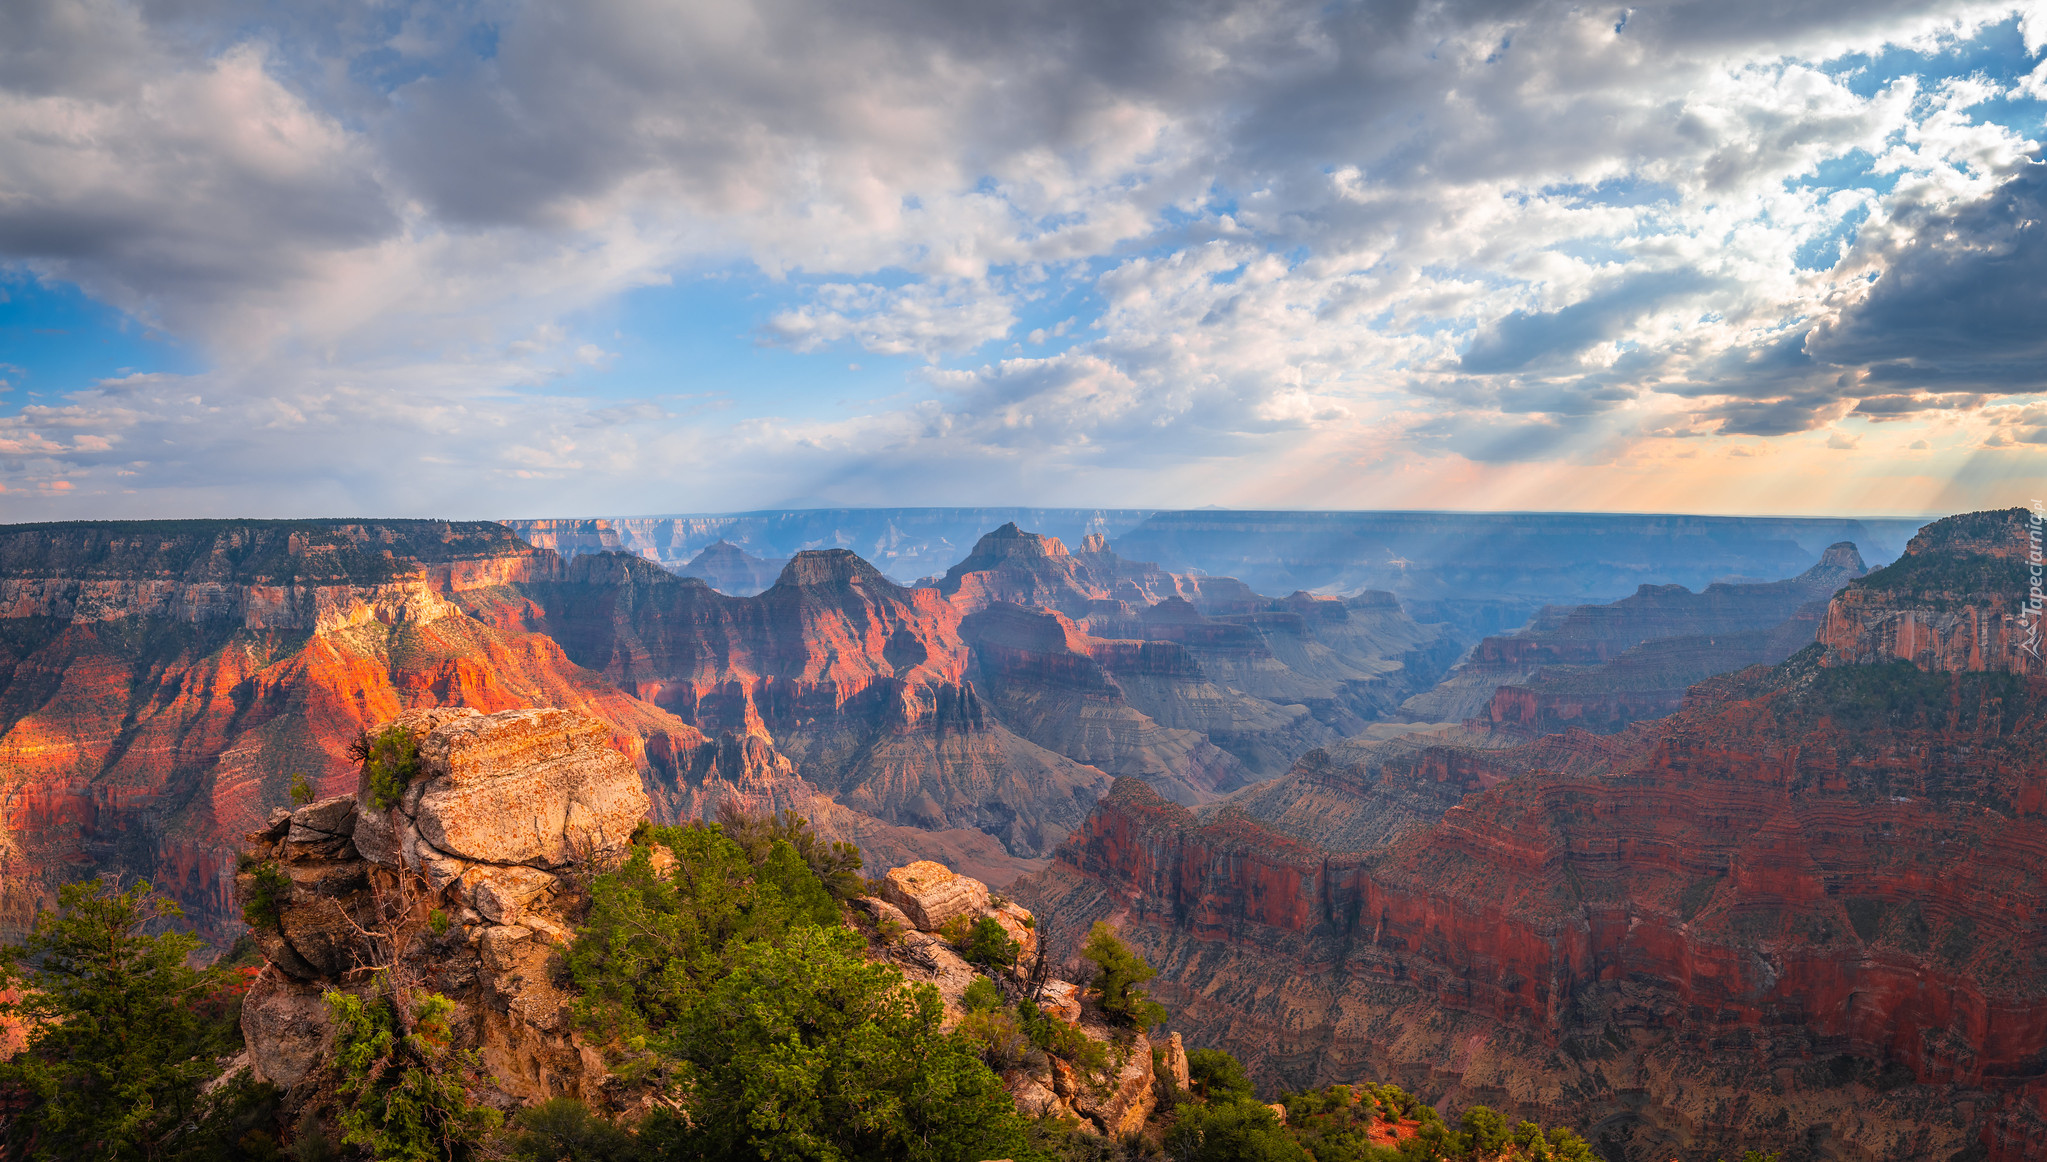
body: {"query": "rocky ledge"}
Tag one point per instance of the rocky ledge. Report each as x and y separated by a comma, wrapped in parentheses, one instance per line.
(464, 887)
(917, 922)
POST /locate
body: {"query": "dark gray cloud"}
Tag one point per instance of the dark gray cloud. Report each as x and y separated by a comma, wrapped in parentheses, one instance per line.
(1961, 301)
(1524, 338)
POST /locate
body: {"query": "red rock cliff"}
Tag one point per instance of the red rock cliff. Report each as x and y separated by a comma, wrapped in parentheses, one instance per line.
(1826, 877)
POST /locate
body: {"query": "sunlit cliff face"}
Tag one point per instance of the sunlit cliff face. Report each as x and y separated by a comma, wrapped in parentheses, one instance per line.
(645, 255)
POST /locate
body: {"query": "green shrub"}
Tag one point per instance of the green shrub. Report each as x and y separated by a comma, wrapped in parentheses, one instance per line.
(806, 1049)
(1119, 979)
(1060, 1039)
(301, 789)
(403, 1097)
(955, 931)
(1216, 1076)
(263, 907)
(1485, 1132)
(1231, 1131)
(437, 922)
(562, 1129)
(836, 865)
(997, 1036)
(653, 942)
(390, 761)
(989, 947)
(982, 996)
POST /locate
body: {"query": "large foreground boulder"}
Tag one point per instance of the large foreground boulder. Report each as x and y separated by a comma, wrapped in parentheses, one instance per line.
(930, 894)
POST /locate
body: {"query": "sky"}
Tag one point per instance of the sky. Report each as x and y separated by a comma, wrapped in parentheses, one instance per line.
(501, 259)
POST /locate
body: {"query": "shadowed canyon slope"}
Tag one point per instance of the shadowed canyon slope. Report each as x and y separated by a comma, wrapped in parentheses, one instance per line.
(1604, 666)
(1479, 572)
(1803, 913)
(903, 543)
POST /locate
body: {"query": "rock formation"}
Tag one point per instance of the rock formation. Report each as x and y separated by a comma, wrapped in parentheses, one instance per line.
(862, 683)
(459, 888)
(1802, 913)
(468, 886)
(1024, 568)
(1956, 602)
(161, 681)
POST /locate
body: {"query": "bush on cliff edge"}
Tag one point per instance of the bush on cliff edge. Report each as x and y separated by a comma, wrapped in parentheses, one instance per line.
(721, 971)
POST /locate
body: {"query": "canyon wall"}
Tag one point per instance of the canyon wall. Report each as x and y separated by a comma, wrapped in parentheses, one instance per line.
(1486, 573)
(904, 543)
(161, 682)
(1803, 913)
(1604, 666)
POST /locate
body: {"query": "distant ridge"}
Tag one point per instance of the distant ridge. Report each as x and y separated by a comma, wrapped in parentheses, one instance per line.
(1482, 572)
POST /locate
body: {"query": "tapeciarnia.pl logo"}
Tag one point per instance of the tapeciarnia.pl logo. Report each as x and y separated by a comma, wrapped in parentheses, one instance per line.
(2030, 614)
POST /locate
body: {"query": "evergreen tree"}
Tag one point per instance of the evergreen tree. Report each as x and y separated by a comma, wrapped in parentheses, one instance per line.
(1217, 1076)
(808, 1050)
(122, 1032)
(1119, 979)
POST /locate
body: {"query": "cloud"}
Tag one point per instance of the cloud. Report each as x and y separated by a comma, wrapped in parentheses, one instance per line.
(1960, 295)
(1275, 238)
(1524, 337)
(919, 319)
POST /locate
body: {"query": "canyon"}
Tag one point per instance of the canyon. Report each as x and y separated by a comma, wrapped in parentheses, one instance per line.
(1802, 913)
(1603, 666)
(1756, 862)
(1480, 573)
(162, 682)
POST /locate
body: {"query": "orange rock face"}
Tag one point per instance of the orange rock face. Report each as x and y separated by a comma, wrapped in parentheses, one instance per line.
(160, 682)
(861, 683)
(1809, 907)
(1962, 598)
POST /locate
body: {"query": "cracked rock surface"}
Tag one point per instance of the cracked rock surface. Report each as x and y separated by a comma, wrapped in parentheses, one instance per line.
(461, 888)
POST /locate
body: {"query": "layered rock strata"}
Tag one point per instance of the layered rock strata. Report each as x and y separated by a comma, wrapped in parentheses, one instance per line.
(161, 682)
(1803, 913)
(1485, 573)
(1604, 666)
